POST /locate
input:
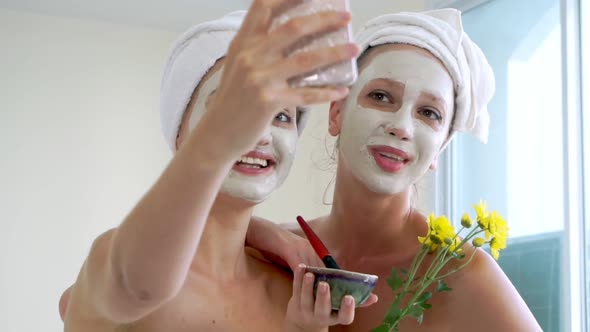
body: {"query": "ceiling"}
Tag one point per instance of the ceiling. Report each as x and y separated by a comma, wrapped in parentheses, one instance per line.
(172, 15)
(176, 15)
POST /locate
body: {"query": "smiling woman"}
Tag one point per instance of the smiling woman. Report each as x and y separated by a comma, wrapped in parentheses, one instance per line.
(399, 116)
(391, 91)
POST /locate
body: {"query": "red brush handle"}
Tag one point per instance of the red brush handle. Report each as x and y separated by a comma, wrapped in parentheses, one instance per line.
(315, 241)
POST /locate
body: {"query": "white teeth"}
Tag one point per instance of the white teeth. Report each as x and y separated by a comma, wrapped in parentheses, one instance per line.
(391, 156)
(253, 161)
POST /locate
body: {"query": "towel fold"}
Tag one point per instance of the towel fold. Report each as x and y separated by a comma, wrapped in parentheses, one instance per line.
(191, 57)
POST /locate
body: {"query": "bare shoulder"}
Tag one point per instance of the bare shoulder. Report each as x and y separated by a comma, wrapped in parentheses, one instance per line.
(491, 299)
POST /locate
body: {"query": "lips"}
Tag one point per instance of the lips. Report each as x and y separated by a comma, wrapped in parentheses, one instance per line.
(255, 163)
(389, 159)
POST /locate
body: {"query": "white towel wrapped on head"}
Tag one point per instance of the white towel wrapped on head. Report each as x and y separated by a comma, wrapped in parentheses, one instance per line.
(191, 57)
(441, 33)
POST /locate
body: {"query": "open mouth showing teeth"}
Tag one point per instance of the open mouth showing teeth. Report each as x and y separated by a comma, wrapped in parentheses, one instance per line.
(254, 162)
(392, 157)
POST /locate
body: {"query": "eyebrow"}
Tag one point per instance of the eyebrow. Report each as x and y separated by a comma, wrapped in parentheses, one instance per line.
(393, 83)
(435, 98)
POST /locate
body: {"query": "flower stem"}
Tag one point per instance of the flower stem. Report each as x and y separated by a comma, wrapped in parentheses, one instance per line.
(458, 268)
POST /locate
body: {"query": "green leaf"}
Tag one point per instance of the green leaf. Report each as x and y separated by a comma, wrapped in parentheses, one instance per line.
(393, 314)
(442, 287)
(382, 328)
(426, 305)
(415, 311)
(424, 297)
(395, 281)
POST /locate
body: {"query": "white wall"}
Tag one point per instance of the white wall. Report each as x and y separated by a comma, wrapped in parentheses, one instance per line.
(81, 142)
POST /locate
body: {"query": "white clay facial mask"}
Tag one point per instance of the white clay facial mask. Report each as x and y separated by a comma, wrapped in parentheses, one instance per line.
(256, 176)
(395, 120)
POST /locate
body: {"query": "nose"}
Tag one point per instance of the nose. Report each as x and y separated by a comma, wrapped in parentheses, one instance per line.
(401, 133)
(266, 138)
(401, 123)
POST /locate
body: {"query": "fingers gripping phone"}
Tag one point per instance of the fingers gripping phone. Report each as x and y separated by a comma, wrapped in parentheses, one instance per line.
(339, 74)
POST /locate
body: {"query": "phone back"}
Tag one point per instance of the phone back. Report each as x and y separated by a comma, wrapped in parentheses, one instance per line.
(340, 74)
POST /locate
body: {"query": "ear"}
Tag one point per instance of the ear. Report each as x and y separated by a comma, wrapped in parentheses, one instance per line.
(335, 124)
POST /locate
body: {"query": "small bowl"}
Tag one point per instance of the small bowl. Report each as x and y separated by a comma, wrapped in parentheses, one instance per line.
(343, 282)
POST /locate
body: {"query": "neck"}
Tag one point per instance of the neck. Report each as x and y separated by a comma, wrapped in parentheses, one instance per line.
(370, 224)
(221, 251)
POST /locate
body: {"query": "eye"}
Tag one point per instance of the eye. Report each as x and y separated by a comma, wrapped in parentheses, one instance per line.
(283, 117)
(431, 114)
(380, 96)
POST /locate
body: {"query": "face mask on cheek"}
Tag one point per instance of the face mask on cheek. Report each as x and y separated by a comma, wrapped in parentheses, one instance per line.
(366, 127)
(283, 143)
(257, 188)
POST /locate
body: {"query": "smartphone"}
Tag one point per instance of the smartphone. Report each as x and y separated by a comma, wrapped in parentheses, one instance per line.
(339, 74)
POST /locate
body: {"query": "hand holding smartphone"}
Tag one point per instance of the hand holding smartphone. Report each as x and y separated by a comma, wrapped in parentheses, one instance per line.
(340, 74)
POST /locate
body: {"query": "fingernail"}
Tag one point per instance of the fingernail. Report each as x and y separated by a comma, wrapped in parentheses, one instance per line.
(353, 49)
(308, 276)
(348, 300)
(345, 15)
(323, 287)
(302, 266)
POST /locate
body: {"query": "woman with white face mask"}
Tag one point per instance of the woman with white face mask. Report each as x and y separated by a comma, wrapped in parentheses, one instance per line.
(420, 80)
(177, 262)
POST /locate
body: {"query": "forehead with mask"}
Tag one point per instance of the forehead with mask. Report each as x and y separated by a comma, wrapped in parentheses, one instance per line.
(396, 118)
(259, 172)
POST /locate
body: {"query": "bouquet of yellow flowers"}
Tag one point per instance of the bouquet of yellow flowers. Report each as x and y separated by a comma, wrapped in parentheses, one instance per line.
(446, 245)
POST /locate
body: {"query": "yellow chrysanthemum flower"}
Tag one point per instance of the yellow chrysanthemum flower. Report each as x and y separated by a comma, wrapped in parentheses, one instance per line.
(440, 233)
(496, 245)
(441, 226)
(435, 239)
(498, 231)
(481, 214)
(454, 245)
(426, 241)
(441, 238)
(498, 227)
(466, 220)
(478, 242)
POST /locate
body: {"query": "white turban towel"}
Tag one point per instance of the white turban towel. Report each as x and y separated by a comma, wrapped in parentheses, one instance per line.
(191, 57)
(441, 33)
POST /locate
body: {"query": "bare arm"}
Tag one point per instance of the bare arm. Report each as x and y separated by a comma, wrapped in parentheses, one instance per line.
(143, 263)
(137, 267)
(151, 252)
